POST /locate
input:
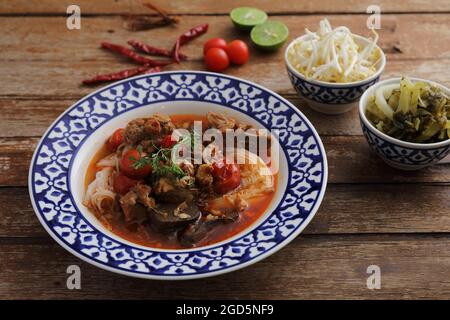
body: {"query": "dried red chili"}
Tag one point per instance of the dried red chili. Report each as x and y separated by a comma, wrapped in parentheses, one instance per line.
(121, 75)
(153, 50)
(133, 55)
(186, 37)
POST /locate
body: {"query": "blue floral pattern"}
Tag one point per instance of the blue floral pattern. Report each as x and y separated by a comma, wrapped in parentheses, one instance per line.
(408, 157)
(50, 174)
(329, 94)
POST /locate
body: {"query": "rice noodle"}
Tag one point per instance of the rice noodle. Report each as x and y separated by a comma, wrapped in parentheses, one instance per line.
(99, 195)
(110, 160)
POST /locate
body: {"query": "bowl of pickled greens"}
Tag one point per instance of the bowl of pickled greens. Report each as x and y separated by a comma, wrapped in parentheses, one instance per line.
(407, 121)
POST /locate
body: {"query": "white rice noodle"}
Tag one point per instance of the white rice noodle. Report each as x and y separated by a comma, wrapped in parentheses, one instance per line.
(256, 177)
(100, 195)
(110, 160)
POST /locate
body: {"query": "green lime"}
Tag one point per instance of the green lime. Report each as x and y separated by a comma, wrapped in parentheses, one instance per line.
(269, 35)
(246, 17)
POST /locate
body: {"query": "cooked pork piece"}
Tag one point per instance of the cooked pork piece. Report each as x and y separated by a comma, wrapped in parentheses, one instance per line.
(220, 121)
(136, 202)
(134, 131)
(152, 127)
(148, 128)
(199, 230)
(187, 167)
(166, 190)
(165, 122)
(170, 216)
(204, 176)
(143, 192)
(127, 202)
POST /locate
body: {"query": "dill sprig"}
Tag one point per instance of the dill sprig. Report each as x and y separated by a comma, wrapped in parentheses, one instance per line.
(162, 165)
(161, 162)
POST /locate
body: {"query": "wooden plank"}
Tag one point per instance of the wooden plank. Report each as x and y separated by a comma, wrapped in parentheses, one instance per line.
(15, 157)
(28, 48)
(48, 39)
(31, 117)
(350, 160)
(311, 267)
(220, 7)
(345, 209)
(61, 80)
(20, 118)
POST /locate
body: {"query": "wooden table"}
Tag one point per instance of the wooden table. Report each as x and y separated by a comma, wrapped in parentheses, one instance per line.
(371, 214)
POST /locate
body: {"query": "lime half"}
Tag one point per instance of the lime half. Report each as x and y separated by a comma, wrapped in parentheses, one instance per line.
(246, 17)
(269, 35)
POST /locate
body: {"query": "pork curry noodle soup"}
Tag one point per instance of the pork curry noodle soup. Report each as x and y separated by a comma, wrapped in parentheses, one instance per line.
(138, 192)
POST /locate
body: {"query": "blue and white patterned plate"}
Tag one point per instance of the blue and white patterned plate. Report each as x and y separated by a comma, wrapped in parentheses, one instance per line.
(56, 177)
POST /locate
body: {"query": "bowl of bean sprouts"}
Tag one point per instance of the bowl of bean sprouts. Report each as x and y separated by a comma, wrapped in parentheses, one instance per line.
(331, 68)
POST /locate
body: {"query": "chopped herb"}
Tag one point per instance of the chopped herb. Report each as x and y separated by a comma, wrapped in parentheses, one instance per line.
(162, 164)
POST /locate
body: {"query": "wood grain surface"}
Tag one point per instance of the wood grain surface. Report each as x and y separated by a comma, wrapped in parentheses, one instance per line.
(371, 214)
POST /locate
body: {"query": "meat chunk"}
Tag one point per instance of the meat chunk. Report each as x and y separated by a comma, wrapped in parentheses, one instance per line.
(219, 121)
(136, 202)
(204, 176)
(200, 230)
(134, 131)
(187, 167)
(143, 193)
(148, 128)
(165, 123)
(128, 202)
(163, 186)
(170, 217)
(152, 127)
(186, 182)
(167, 191)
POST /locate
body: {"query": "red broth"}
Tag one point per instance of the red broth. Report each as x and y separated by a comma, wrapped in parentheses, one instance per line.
(149, 238)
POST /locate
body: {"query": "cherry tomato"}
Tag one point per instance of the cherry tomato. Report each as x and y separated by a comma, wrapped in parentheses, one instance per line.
(214, 43)
(122, 184)
(168, 142)
(127, 165)
(227, 177)
(216, 59)
(116, 139)
(237, 51)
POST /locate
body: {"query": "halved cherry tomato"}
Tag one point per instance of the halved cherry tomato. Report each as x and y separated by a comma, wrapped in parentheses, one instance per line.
(168, 141)
(227, 177)
(214, 43)
(216, 59)
(116, 139)
(237, 51)
(127, 165)
(122, 184)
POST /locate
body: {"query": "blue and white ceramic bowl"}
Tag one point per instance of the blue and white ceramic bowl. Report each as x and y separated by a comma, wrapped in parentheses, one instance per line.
(328, 97)
(58, 167)
(397, 153)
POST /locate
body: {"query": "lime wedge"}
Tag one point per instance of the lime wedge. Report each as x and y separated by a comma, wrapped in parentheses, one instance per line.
(269, 35)
(246, 18)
